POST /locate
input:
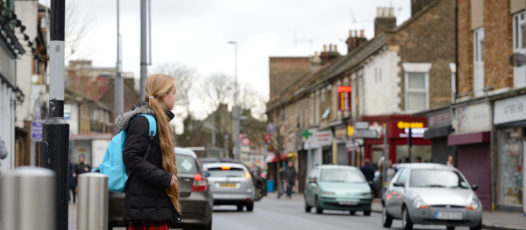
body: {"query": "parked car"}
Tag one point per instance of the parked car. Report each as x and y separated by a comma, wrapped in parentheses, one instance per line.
(231, 184)
(338, 187)
(195, 195)
(434, 194)
(260, 182)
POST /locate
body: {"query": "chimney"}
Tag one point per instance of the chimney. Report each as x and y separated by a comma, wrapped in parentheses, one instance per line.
(418, 5)
(354, 41)
(327, 57)
(315, 62)
(385, 20)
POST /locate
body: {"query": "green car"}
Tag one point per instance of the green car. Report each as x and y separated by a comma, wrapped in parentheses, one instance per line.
(337, 187)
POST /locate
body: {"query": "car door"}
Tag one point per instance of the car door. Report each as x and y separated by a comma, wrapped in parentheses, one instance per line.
(397, 194)
(311, 186)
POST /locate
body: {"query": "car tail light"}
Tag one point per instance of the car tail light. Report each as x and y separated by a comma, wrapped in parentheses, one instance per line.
(199, 183)
(247, 174)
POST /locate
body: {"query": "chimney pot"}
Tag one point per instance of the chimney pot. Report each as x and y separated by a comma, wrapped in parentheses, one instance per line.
(391, 12)
(362, 33)
(330, 47)
(378, 12)
(350, 33)
(335, 48)
(355, 33)
(324, 48)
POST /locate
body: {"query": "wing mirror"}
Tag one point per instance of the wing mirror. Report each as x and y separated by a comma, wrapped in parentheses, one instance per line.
(313, 180)
(399, 184)
(474, 187)
(206, 174)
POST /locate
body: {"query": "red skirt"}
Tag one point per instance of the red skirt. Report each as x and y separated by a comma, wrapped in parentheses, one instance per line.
(147, 226)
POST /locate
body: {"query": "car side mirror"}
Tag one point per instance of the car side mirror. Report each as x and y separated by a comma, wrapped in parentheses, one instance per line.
(313, 180)
(206, 174)
(399, 184)
(474, 187)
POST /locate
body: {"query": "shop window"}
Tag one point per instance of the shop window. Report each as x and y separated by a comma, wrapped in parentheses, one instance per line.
(422, 151)
(510, 157)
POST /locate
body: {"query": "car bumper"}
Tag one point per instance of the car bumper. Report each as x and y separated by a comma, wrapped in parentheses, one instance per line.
(197, 210)
(458, 216)
(233, 198)
(344, 203)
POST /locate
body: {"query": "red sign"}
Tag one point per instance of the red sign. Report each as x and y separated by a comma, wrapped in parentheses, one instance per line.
(245, 142)
(267, 137)
(344, 89)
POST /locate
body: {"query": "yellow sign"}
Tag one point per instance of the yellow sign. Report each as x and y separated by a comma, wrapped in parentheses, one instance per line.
(350, 131)
(413, 125)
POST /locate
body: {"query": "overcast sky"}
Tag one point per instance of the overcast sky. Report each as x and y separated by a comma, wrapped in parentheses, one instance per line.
(195, 33)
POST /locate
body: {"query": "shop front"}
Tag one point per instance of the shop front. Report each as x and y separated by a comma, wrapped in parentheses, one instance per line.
(471, 140)
(318, 145)
(439, 127)
(510, 124)
(399, 129)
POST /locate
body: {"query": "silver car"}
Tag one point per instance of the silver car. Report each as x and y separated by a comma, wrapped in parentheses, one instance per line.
(431, 194)
(231, 184)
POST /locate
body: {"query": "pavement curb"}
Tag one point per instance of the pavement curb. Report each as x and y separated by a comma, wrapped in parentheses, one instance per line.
(501, 227)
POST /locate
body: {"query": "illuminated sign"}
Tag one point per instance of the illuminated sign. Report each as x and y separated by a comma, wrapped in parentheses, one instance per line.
(344, 98)
(413, 125)
(344, 89)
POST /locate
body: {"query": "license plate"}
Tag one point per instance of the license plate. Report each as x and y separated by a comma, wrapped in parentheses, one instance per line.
(348, 202)
(448, 215)
(228, 185)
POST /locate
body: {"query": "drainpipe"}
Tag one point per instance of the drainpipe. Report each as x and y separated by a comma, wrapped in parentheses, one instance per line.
(456, 51)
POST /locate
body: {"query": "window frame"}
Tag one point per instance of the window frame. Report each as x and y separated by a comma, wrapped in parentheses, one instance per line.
(423, 68)
(518, 21)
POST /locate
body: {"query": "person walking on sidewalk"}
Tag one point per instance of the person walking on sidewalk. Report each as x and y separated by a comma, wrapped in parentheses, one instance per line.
(283, 180)
(152, 190)
(3, 151)
(290, 174)
(82, 167)
(368, 172)
(72, 186)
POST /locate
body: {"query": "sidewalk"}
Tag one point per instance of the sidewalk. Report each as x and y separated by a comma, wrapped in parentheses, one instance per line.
(490, 220)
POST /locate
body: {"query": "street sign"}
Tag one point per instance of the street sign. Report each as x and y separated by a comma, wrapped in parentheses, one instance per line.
(267, 137)
(245, 141)
(361, 125)
(365, 133)
(36, 130)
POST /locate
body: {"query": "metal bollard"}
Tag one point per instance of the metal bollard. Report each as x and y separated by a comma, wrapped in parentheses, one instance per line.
(27, 199)
(92, 210)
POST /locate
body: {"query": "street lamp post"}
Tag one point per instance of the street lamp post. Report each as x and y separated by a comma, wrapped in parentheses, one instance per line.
(235, 133)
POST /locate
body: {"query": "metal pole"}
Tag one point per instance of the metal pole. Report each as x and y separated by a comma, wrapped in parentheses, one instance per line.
(56, 130)
(235, 133)
(27, 199)
(386, 159)
(119, 92)
(143, 50)
(92, 208)
(409, 144)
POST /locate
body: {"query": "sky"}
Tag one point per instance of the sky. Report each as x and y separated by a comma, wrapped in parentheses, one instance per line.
(195, 33)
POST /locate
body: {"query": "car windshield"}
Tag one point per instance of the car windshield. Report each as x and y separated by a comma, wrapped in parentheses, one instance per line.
(226, 172)
(437, 178)
(341, 175)
(186, 164)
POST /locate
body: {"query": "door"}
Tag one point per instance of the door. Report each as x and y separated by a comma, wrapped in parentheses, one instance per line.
(476, 173)
(311, 188)
(524, 172)
(394, 206)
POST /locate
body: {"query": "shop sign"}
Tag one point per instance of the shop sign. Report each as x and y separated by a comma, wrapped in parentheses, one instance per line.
(341, 133)
(415, 133)
(353, 144)
(439, 119)
(509, 110)
(361, 125)
(344, 98)
(318, 139)
(471, 119)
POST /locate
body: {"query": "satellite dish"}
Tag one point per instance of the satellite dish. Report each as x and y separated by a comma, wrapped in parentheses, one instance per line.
(517, 59)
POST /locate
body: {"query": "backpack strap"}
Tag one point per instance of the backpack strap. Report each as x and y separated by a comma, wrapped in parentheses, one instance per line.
(152, 131)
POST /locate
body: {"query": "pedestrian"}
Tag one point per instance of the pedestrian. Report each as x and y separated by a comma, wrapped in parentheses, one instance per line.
(72, 187)
(418, 159)
(450, 161)
(290, 175)
(283, 180)
(152, 189)
(368, 172)
(3, 151)
(82, 167)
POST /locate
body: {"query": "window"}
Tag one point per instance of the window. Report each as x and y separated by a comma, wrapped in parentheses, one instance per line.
(402, 178)
(519, 73)
(416, 86)
(478, 61)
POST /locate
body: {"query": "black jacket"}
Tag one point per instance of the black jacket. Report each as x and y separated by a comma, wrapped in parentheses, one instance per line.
(146, 198)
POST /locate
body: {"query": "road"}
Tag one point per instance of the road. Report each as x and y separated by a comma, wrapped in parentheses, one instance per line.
(287, 214)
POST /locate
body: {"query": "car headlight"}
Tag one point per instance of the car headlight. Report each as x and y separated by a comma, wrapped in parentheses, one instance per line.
(327, 193)
(418, 202)
(474, 205)
(366, 194)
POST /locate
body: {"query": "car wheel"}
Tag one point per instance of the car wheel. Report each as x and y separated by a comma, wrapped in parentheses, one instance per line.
(478, 227)
(352, 213)
(450, 227)
(406, 220)
(259, 193)
(250, 206)
(367, 212)
(318, 209)
(239, 207)
(387, 220)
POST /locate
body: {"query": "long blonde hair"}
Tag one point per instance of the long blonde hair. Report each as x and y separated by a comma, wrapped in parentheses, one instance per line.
(157, 86)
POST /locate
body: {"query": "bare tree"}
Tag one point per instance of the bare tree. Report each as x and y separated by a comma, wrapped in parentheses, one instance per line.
(77, 33)
(250, 98)
(184, 77)
(215, 90)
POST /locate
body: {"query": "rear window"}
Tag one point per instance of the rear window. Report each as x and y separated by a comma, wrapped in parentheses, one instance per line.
(186, 164)
(226, 172)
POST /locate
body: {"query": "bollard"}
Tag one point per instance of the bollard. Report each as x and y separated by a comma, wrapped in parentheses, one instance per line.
(28, 199)
(92, 210)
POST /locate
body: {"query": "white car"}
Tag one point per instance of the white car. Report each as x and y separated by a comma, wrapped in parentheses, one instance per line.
(433, 194)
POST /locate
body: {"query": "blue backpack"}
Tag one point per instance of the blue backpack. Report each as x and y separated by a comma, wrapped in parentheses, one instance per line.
(113, 166)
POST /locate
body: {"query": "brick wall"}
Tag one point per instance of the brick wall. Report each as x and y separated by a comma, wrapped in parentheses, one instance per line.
(498, 41)
(429, 38)
(465, 49)
(284, 71)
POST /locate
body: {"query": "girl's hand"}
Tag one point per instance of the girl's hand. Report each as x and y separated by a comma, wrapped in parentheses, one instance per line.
(174, 180)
